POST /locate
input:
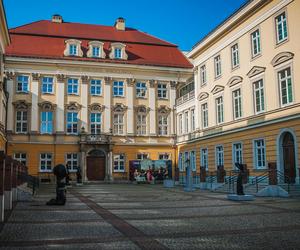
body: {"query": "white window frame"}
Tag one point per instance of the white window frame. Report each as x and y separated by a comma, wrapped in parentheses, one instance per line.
(255, 154)
(21, 157)
(141, 123)
(46, 160)
(283, 23)
(48, 82)
(141, 89)
(235, 58)
(96, 123)
(117, 53)
(164, 156)
(142, 156)
(74, 123)
(47, 122)
(23, 122)
(22, 85)
(73, 49)
(193, 125)
(186, 122)
(204, 157)
(203, 75)
(234, 153)
(239, 103)
(180, 162)
(119, 163)
(180, 122)
(96, 87)
(72, 160)
(73, 86)
(163, 124)
(218, 66)
(162, 91)
(285, 79)
(259, 95)
(119, 125)
(118, 89)
(219, 110)
(96, 49)
(219, 156)
(255, 43)
(193, 163)
(204, 115)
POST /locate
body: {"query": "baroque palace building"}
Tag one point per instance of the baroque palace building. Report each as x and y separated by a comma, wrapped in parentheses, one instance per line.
(245, 104)
(93, 96)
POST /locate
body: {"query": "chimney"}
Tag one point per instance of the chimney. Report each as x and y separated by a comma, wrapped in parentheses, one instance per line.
(120, 23)
(57, 18)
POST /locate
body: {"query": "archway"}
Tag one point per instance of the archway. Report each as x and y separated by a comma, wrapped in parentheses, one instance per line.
(96, 162)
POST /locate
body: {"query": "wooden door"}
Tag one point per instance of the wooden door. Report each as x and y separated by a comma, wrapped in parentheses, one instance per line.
(95, 168)
(289, 157)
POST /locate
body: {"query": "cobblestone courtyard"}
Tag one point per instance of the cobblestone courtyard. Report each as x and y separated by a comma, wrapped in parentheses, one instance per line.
(150, 217)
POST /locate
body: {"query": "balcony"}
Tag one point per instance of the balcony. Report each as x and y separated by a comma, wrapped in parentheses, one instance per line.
(95, 139)
(185, 98)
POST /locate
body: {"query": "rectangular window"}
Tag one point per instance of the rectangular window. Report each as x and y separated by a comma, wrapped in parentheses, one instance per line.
(47, 85)
(237, 153)
(142, 156)
(204, 158)
(95, 87)
(259, 153)
(163, 125)
(73, 50)
(237, 104)
(180, 124)
(164, 156)
(119, 124)
(96, 51)
(21, 122)
(119, 163)
(204, 114)
(255, 43)
(281, 28)
(193, 160)
(186, 121)
(235, 60)
(46, 122)
(21, 157)
(118, 88)
(141, 124)
(219, 156)
(218, 70)
(193, 119)
(95, 123)
(72, 161)
(45, 162)
(220, 110)
(141, 89)
(203, 78)
(286, 88)
(72, 122)
(259, 97)
(22, 84)
(180, 162)
(118, 53)
(162, 91)
(72, 86)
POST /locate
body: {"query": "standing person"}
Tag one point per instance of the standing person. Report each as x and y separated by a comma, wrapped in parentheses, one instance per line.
(68, 174)
(78, 175)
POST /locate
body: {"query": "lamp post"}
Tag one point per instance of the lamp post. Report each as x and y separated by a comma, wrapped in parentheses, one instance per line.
(189, 178)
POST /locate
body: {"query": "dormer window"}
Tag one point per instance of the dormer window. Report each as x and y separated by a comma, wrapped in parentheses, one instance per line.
(118, 51)
(73, 48)
(96, 49)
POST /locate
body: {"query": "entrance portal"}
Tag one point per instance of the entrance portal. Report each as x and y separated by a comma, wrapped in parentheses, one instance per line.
(95, 165)
(288, 151)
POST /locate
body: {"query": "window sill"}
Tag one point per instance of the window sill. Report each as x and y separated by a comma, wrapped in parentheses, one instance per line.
(47, 93)
(22, 92)
(96, 95)
(120, 171)
(141, 97)
(162, 98)
(218, 77)
(254, 57)
(119, 96)
(74, 94)
(45, 171)
(235, 68)
(278, 44)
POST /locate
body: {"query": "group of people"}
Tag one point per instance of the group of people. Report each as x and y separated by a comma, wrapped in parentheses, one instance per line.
(150, 175)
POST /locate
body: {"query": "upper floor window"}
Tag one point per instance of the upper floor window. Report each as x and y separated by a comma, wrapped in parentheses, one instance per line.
(203, 77)
(180, 130)
(21, 157)
(142, 156)
(186, 122)
(204, 158)
(259, 96)
(193, 119)
(95, 87)
(141, 89)
(237, 153)
(46, 122)
(237, 104)
(255, 43)
(22, 84)
(164, 156)
(118, 88)
(96, 49)
(73, 86)
(220, 110)
(118, 122)
(259, 153)
(119, 163)
(72, 161)
(163, 124)
(141, 123)
(72, 122)
(21, 121)
(286, 86)
(45, 162)
(95, 123)
(218, 70)
(47, 85)
(73, 48)
(118, 51)
(219, 156)
(235, 60)
(281, 27)
(162, 91)
(204, 114)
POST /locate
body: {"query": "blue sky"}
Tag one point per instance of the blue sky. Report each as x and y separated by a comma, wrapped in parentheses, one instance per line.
(183, 22)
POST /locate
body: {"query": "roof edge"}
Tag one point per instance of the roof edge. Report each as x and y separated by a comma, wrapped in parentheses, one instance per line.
(3, 21)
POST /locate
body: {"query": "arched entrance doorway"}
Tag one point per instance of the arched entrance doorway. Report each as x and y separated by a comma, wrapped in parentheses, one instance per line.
(288, 156)
(95, 162)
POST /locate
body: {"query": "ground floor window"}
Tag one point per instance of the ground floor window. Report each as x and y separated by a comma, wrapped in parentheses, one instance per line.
(45, 162)
(119, 163)
(204, 158)
(237, 153)
(180, 162)
(164, 156)
(142, 156)
(72, 161)
(259, 153)
(219, 156)
(21, 157)
(193, 160)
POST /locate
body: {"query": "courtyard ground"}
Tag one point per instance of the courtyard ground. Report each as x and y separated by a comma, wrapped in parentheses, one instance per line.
(124, 216)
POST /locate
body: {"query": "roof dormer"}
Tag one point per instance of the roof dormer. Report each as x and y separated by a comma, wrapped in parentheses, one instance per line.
(73, 48)
(118, 51)
(96, 49)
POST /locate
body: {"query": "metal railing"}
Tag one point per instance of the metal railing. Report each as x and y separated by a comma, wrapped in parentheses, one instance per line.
(185, 97)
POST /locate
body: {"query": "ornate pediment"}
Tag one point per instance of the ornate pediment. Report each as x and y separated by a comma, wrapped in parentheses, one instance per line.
(21, 105)
(141, 109)
(255, 71)
(282, 57)
(130, 82)
(96, 107)
(202, 96)
(73, 106)
(217, 89)
(234, 80)
(119, 107)
(163, 109)
(47, 106)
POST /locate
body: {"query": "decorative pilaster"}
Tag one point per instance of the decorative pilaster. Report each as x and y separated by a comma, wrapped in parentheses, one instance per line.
(10, 76)
(172, 105)
(84, 102)
(152, 106)
(107, 104)
(34, 102)
(60, 101)
(130, 110)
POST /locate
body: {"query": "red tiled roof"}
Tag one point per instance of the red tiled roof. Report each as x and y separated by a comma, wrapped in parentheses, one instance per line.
(45, 39)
